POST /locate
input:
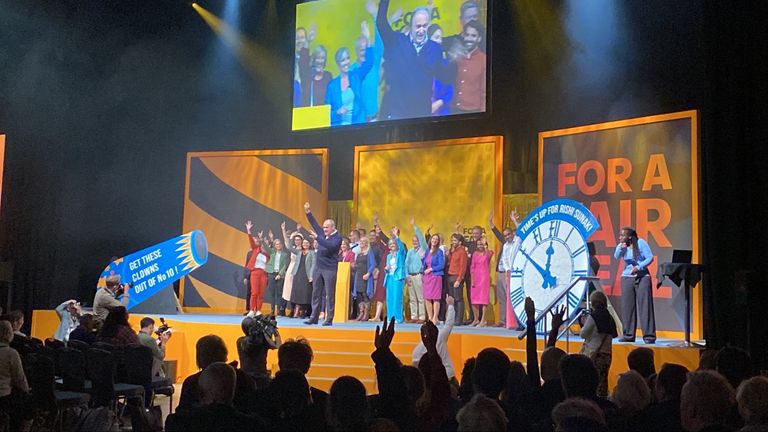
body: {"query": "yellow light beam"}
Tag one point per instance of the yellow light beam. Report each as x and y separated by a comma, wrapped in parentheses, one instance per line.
(260, 61)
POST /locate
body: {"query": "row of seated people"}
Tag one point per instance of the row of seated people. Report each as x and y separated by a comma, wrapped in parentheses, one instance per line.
(494, 393)
(93, 369)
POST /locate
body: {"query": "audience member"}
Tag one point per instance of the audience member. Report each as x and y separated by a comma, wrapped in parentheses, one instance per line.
(297, 354)
(217, 413)
(734, 364)
(348, 407)
(16, 318)
(467, 387)
(490, 366)
(69, 313)
(442, 341)
(521, 400)
(706, 402)
(288, 404)
(665, 413)
(552, 389)
(14, 391)
(632, 397)
(641, 361)
(482, 414)
(752, 398)
(707, 359)
(578, 414)
(436, 409)
(116, 329)
(85, 331)
(208, 350)
(392, 402)
(580, 379)
(20, 342)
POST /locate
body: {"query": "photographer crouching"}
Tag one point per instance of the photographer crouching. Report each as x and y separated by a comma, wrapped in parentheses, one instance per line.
(106, 298)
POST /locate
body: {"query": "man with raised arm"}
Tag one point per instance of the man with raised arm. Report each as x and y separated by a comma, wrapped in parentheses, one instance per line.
(412, 62)
(510, 245)
(324, 279)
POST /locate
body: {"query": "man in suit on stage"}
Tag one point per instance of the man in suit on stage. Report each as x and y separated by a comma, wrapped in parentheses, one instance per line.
(324, 279)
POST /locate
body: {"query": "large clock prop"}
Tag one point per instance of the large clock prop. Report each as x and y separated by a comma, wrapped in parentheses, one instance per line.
(553, 253)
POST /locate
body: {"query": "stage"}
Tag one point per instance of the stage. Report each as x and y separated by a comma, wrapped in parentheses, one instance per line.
(345, 348)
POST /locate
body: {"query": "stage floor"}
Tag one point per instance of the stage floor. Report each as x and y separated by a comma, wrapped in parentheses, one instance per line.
(345, 348)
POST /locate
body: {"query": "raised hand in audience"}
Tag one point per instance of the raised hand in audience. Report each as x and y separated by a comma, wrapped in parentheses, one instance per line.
(429, 336)
(558, 317)
(384, 336)
(248, 226)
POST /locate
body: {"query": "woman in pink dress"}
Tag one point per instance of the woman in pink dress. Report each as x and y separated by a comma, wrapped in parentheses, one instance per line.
(432, 281)
(481, 281)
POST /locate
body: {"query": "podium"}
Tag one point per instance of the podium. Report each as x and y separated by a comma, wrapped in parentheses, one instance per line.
(686, 276)
(342, 293)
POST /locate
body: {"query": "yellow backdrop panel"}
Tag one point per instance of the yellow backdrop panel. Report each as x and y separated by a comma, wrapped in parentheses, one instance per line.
(437, 182)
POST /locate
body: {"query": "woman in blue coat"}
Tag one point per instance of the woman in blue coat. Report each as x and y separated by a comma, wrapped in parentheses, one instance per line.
(394, 279)
(345, 92)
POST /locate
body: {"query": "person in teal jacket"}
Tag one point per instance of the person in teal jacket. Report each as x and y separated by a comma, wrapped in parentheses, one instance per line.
(394, 278)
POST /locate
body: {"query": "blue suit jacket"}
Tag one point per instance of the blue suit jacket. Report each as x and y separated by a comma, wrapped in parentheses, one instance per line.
(356, 77)
(400, 259)
(437, 264)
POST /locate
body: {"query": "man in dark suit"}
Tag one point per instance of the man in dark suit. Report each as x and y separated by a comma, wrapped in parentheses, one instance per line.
(411, 63)
(324, 279)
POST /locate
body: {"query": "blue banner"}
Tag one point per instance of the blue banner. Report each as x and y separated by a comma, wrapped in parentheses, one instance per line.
(561, 209)
(152, 269)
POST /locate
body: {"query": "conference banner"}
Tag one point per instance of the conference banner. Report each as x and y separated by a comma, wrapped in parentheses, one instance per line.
(642, 173)
(151, 269)
(226, 189)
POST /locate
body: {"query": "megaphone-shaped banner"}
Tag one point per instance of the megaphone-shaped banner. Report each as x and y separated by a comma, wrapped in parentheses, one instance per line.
(152, 269)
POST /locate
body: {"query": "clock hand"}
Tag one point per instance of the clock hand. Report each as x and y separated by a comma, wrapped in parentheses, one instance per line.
(544, 273)
(551, 281)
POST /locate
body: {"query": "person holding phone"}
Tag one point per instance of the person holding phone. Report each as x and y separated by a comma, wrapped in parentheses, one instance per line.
(636, 296)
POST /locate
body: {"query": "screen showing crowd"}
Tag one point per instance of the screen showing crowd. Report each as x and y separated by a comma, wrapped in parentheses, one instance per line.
(362, 61)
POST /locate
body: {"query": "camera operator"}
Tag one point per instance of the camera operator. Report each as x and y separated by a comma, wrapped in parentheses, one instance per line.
(260, 334)
(69, 313)
(157, 346)
(106, 298)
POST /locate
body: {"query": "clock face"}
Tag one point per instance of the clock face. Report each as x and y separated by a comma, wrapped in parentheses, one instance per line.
(551, 256)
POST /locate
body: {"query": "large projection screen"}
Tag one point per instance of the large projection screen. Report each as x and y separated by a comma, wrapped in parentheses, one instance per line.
(359, 62)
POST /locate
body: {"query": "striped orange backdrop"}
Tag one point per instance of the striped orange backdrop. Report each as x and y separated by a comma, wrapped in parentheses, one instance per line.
(225, 189)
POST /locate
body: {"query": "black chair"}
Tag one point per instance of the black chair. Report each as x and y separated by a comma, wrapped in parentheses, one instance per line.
(54, 343)
(78, 345)
(44, 394)
(74, 371)
(103, 346)
(105, 392)
(50, 353)
(138, 362)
